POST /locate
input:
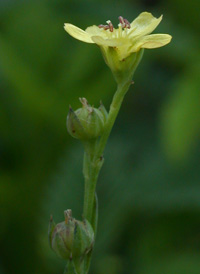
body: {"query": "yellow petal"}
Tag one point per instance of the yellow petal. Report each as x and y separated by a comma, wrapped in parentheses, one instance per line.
(144, 24)
(96, 31)
(151, 41)
(78, 33)
(106, 42)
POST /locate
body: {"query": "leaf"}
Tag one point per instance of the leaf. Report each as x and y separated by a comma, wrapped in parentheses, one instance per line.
(180, 121)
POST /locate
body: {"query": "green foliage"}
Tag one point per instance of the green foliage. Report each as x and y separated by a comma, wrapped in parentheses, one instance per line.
(181, 117)
(149, 186)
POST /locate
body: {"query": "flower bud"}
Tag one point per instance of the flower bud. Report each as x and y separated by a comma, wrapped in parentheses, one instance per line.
(71, 239)
(85, 123)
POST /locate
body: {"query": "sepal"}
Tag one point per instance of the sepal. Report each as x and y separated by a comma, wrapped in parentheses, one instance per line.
(122, 69)
(103, 111)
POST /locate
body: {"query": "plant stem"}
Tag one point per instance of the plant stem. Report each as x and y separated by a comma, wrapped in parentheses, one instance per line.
(113, 112)
(91, 171)
(93, 156)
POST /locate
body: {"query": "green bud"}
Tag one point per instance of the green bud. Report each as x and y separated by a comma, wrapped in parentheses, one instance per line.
(71, 239)
(85, 123)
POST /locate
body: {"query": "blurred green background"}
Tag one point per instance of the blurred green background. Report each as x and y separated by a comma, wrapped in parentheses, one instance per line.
(149, 187)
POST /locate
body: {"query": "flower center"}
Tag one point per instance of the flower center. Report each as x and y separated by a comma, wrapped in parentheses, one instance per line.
(123, 24)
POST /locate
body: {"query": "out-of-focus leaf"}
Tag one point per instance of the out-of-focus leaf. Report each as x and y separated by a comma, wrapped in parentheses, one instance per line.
(186, 14)
(42, 71)
(137, 184)
(182, 263)
(181, 116)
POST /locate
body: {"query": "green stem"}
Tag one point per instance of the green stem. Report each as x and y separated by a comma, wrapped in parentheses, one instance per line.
(93, 157)
(93, 161)
(91, 171)
(114, 110)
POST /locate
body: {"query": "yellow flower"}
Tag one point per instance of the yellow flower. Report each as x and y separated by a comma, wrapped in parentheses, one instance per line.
(122, 48)
(127, 38)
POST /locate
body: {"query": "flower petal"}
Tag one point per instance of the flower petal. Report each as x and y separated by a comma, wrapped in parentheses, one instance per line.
(151, 41)
(78, 33)
(144, 24)
(155, 41)
(96, 31)
(106, 42)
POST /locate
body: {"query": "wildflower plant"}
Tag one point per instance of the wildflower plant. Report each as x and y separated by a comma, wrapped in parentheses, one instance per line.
(122, 49)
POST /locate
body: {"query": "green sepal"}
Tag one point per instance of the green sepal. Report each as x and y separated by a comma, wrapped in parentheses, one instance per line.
(124, 69)
(92, 123)
(83, 238)
(51, 229)
(70, 268)
(103, 111)
(74, 125)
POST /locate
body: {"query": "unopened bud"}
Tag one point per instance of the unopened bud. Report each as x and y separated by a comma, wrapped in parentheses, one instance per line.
(85, 123)
(71, 239)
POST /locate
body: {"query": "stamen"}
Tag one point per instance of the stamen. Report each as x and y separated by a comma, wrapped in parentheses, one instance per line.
(128, 25)
(111, 26)
(105, 27)
(120, 30)
(121, 20)
(124, 23)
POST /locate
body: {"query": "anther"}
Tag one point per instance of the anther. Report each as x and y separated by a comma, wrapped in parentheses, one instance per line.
(124, 22)
(128, 25)
(106, 27)
(121, 20)
(110, 25)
